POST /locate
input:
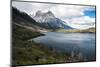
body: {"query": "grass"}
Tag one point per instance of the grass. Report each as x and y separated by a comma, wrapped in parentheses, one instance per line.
(28, 52)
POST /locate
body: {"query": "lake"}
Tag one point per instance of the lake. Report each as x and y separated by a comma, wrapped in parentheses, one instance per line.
(76, 43)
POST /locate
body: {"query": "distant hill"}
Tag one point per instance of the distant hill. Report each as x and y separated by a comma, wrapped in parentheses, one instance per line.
(90, 30)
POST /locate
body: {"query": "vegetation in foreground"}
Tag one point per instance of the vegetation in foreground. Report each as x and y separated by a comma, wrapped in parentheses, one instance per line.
(28, 52)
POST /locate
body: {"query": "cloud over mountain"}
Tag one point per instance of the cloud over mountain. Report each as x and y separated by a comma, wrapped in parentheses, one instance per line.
(68, 13)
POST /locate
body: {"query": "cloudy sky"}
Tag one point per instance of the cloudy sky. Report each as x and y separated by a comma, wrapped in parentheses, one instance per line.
(80, 17)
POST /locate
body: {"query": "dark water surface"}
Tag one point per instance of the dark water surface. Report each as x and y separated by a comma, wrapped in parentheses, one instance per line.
(83, 43)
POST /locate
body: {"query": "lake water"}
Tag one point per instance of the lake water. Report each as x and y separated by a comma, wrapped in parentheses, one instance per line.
(83, 43)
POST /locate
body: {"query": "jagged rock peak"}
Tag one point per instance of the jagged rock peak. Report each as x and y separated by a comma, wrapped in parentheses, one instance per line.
(48, 13)
(38, 12)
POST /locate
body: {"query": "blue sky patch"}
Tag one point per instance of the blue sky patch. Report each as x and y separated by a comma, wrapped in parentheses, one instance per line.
(90, 13)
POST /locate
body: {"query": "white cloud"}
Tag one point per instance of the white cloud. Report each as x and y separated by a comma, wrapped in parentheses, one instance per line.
(82, 19)
(64, 11)
(59, 10)
(23, 6)
(83, 22)
(31, 8)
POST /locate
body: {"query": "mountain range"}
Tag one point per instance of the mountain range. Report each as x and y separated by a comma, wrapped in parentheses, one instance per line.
(49, 21)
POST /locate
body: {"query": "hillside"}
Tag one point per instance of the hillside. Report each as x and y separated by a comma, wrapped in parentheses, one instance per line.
(24, 19)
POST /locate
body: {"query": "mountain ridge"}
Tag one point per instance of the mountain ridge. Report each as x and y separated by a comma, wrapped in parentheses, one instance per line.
(23, 19)
(48, 20)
